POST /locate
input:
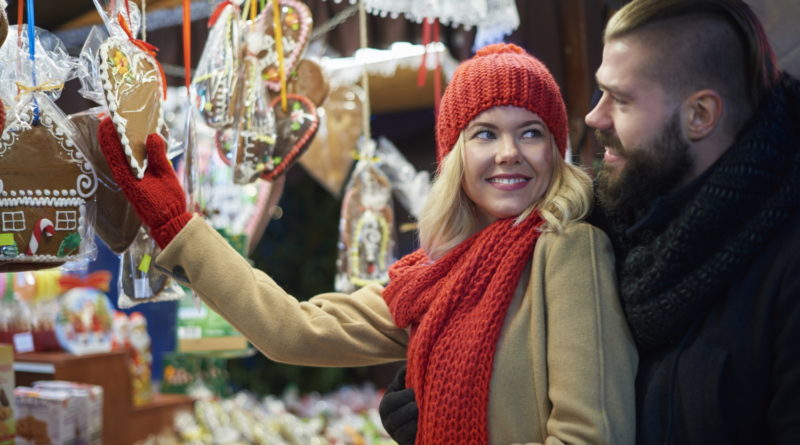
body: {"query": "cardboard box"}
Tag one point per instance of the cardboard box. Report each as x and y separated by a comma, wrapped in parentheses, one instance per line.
(88, 405)
(7, 421)
(45, 416)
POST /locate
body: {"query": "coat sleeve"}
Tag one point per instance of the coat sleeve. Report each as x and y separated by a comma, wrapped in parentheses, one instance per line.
(328, 330)
(784, 405)
(591, 355)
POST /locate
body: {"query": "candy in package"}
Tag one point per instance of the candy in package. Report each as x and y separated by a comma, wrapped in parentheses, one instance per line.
(139, 282)
(411, 187)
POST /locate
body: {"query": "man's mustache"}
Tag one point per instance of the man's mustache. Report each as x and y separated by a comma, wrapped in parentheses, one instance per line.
(607, 139)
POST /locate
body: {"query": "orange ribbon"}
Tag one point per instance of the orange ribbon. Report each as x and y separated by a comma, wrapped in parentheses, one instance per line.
(187, 45)
(96, 280)
(146, 47)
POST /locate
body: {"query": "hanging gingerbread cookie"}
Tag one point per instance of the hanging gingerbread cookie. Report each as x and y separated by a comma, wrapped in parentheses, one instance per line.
(366, 228)
(133, 88)
(47, 190)
(296, 24)
(215, 77)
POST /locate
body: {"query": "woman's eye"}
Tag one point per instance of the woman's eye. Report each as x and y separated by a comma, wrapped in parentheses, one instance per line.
(483, 134)
(532, 133)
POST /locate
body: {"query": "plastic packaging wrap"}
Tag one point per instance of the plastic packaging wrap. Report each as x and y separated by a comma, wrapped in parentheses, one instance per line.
(47, 184)
(366, 227)
(216, 74)
(139, 282)
(133, 83)
(411, 187)
(116, 222)
(256, 130)
(330, 156)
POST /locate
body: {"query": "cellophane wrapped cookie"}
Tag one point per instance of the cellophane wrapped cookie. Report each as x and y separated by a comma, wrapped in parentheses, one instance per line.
(139, 281)
(133, 84)
(366, 226)
(47, 184)
(216, 74)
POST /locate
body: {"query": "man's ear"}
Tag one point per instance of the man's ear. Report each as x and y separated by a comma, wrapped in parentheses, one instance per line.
(703, 113)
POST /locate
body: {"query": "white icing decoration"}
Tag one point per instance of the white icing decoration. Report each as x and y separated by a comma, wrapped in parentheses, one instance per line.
(38, 192)
(46, 192)
(120, 122)
(56, 193)
(13, 193)
(73, 192)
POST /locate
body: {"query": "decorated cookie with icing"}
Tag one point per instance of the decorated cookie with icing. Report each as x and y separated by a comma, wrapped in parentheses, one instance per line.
(309, 80)
(215, 78)
(296, 23)
(116, 222)
(297, 126)
(47, 191)
(366, 231)
(330, 156)
(133, 88)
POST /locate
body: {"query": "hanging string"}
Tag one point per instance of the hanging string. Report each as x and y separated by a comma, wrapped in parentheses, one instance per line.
(362, 30)
(253, 10)
(32, 53)
(187, 46)
(144, 20)
(276, 24)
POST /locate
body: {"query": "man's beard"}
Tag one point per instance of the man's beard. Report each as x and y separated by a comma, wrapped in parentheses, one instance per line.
(648, 172)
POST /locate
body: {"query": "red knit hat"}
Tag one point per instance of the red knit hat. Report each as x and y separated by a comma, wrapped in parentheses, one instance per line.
(502, 74)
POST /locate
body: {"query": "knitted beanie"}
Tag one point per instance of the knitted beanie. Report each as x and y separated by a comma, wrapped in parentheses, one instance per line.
(502, 74)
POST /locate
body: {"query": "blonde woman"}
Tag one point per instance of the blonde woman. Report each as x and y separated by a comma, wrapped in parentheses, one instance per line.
(508, 314)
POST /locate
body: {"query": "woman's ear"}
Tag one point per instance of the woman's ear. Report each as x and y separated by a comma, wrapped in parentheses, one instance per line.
(703, 114)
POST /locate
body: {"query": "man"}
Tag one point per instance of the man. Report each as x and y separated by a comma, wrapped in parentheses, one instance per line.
(700, 194)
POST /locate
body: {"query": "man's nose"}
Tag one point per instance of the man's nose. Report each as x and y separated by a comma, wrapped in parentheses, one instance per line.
(598, 117)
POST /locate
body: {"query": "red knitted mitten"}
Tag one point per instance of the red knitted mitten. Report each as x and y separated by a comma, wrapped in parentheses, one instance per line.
(158, 197)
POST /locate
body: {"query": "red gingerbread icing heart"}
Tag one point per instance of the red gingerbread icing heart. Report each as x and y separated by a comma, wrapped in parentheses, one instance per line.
(296, 23)
(296, 129)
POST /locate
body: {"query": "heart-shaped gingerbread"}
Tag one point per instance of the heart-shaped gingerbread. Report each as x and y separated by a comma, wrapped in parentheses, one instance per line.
(116, 222)
(296, 23)
(297, 126)
(309, 80)
(133, 89)
(215, 77)
(330, 156)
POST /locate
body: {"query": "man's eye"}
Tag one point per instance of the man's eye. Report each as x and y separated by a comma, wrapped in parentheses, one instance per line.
(618, 101)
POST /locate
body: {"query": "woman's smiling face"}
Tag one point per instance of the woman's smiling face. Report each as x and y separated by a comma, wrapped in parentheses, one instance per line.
(508, 161)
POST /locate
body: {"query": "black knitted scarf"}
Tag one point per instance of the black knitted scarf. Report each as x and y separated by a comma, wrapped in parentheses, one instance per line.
(669, 277)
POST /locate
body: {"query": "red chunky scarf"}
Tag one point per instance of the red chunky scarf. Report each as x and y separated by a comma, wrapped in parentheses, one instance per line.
(455, 307)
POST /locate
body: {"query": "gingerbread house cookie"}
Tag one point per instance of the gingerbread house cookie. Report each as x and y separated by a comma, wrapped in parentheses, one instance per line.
(47, 190)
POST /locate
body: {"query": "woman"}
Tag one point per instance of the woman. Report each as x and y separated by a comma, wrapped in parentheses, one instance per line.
(508, 314)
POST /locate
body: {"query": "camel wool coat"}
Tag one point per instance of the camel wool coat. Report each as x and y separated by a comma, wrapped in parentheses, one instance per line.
(565, 364)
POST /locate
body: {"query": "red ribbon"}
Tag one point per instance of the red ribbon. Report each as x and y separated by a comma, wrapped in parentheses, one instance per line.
(96, 280)
(217, 12)
(146, 47)
(430, 33)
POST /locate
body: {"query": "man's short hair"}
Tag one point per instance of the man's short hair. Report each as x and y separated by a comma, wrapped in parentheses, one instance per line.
(698, 44)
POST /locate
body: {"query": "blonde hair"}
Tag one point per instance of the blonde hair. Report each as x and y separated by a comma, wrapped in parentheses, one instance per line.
(450, 217)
